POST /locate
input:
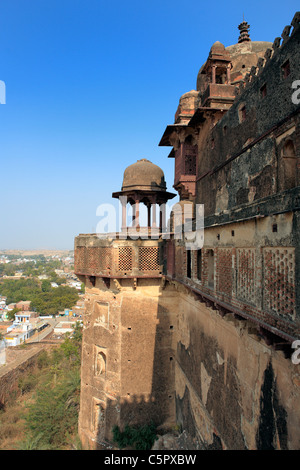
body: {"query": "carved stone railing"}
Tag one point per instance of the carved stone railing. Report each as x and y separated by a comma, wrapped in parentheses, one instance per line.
(218, 91)
(118, 258)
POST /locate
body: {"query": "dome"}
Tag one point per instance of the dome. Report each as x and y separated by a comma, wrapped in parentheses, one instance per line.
(189, 99)
(144, 175)
(217, 48)
(187, 105)
(242, 55)
(189, 95)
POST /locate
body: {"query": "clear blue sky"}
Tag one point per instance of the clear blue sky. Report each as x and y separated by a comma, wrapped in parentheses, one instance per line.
(90, 87)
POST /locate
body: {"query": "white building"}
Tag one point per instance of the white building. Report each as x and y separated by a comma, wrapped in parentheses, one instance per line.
(24, 326)
(65, 326)
(2, 352)
(18, 335)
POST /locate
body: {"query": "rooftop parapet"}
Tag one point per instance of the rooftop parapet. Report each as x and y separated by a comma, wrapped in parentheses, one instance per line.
(118, 258)
(218, 95)
(279, 42)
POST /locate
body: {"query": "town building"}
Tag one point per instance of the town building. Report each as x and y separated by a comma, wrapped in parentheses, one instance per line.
(25, 325)
(202, 334)
(23, 305)
(21, 329)
(66, 326)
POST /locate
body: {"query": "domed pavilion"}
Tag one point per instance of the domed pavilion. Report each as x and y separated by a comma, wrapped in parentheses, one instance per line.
(144, 182)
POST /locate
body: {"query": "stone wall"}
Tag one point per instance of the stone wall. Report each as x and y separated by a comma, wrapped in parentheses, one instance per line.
(232, 390)
(127, 359)
(155, 353)
(11, 373)
(242, 159)
(251, 268)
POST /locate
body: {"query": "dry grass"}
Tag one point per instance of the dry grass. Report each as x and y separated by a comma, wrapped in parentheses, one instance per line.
(12, 425)
(15, 434)
(12, 416)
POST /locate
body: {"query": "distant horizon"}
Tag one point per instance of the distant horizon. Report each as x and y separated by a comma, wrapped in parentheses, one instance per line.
(35, 249)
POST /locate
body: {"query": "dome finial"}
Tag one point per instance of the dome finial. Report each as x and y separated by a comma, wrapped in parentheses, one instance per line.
(244, 29)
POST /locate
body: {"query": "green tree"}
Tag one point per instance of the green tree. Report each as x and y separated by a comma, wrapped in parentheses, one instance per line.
(52, 415)
(71, 347)
(11, 314)
(46, 285)
(9, 270)
(139, 438)
(45, 300)
(20, 289)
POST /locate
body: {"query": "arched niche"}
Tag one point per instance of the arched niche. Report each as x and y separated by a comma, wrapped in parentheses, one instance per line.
(288, 177)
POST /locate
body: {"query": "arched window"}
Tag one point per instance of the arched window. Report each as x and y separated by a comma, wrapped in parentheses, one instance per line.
(242, 112)
(288, 165)
(210, 269)
(100, 362)
(199, 264)
(188, 264)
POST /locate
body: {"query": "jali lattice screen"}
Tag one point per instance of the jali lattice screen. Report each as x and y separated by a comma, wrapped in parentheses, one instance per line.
(149, 258)
(279, 280)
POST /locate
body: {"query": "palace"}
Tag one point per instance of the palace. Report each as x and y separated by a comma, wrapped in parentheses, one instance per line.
(203, 338)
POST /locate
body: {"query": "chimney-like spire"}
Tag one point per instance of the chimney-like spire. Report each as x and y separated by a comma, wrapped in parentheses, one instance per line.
(244, 29)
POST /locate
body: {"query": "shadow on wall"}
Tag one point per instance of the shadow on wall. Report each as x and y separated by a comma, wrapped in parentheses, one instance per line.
(217, 384)
(147, 371)
(272, 424)
(202, 372)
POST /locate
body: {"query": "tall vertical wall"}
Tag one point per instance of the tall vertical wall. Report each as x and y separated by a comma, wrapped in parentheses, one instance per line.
(155, 353)
(232, 390)
(127, 359)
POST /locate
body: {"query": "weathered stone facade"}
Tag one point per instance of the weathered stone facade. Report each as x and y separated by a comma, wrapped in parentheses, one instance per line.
(204, 338)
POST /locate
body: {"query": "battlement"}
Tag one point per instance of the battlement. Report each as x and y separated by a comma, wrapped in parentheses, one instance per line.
(278, 43)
